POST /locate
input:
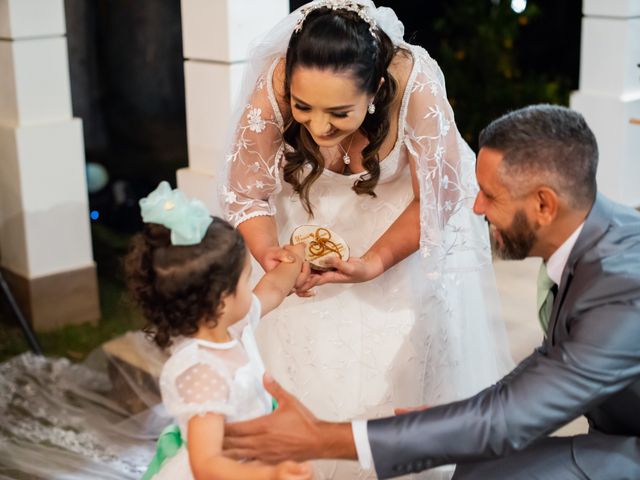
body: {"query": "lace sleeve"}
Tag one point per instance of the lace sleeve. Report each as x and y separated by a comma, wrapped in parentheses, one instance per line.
(455, 256)
(444, 162)
(252, 163)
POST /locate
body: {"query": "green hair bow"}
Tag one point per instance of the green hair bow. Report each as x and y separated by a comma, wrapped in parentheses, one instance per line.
(188, 219)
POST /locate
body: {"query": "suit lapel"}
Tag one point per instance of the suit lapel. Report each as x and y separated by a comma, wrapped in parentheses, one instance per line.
(595, 226)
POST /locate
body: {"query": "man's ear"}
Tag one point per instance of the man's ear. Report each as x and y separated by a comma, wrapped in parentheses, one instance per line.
(546, 205)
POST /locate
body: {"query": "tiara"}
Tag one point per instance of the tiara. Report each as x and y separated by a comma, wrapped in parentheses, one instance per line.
(337, 5)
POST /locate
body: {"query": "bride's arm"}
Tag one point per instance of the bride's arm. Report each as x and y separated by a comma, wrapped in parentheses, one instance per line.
(399, 241)
(431, 140)
(261, 236)
(251, 176)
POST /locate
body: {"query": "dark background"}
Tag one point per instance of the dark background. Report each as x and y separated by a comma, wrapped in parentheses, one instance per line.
(128, 87)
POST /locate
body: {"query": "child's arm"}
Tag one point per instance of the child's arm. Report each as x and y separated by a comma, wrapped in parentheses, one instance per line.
(204, 444)
(275, 285)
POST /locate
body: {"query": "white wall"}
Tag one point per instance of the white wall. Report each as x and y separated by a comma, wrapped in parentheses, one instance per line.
(609, 94)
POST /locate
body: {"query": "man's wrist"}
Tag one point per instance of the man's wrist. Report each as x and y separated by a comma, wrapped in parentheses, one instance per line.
(336, 441)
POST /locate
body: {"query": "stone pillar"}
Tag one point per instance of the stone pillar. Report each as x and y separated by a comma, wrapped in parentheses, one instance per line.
(609, 94)
(216, 35)
(45, 240)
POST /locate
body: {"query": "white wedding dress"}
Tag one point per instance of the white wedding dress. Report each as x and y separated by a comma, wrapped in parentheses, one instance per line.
(359, 350)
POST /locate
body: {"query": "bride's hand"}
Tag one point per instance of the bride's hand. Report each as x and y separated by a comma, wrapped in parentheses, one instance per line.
(355, 270)
(274, 256)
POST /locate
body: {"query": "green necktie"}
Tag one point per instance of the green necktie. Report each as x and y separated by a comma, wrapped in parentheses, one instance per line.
(545, 297)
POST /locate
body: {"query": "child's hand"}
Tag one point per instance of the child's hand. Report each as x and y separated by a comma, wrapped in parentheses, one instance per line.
(297, 250)
(280, 282)
(274, 256)
(293, 471)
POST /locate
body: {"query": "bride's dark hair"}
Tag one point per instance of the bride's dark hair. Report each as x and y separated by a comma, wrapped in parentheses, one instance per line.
(339, 40)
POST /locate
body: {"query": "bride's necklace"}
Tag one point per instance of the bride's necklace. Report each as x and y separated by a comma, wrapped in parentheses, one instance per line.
(346, 158)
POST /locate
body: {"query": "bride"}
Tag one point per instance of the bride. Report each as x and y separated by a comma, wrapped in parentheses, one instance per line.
(344, 125)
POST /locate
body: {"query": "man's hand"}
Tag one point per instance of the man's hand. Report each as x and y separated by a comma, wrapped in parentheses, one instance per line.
(402, 411)
(292, 432)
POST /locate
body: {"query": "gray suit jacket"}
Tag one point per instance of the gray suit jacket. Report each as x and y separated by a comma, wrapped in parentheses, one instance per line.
(588, 365)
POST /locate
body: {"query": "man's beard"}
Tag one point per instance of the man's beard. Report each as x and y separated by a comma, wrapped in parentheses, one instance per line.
(517, 240)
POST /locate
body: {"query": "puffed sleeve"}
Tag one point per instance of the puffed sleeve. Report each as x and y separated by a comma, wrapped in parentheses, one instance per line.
(196, 383)
(253, 161)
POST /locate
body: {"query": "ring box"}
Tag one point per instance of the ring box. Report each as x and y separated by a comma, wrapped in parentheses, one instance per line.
(321, 243)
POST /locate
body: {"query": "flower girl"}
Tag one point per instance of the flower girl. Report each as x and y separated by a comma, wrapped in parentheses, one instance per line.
(190, 274)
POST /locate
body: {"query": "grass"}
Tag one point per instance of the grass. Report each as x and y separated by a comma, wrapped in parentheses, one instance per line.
(118, 315)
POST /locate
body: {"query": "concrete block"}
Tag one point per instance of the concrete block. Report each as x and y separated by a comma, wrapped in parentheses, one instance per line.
(615, 121)
(611, 8)
(53, 301)
(52, 164)
(34, 81)
(609, 55)
(210, 91)
(31, 18)
(43, 196)
(200, 185)
(223, 30)
(58, 238)
(13, 246)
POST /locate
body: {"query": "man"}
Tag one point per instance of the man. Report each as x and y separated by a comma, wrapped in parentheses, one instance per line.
(536, 171)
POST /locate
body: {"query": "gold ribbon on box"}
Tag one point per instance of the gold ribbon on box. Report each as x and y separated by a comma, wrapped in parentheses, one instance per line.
(321, 244)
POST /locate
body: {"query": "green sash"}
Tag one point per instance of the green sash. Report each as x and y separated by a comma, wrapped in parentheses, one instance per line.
(169, 442)
(168, 445)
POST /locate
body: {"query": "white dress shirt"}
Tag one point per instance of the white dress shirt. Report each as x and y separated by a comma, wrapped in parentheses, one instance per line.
(555, 265)
(558, 260)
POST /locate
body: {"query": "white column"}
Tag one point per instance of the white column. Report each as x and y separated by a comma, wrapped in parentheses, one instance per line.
(609, 94)
(45, 241)
(216, 35)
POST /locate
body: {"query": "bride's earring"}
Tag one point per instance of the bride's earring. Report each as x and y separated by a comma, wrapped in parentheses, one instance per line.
(371, 108)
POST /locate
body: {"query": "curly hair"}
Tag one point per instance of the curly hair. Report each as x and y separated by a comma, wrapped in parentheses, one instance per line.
(179, 287)
(339, 40)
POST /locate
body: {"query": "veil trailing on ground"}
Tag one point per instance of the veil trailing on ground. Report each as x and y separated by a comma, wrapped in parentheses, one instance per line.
(96, 419)
(454, 244)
